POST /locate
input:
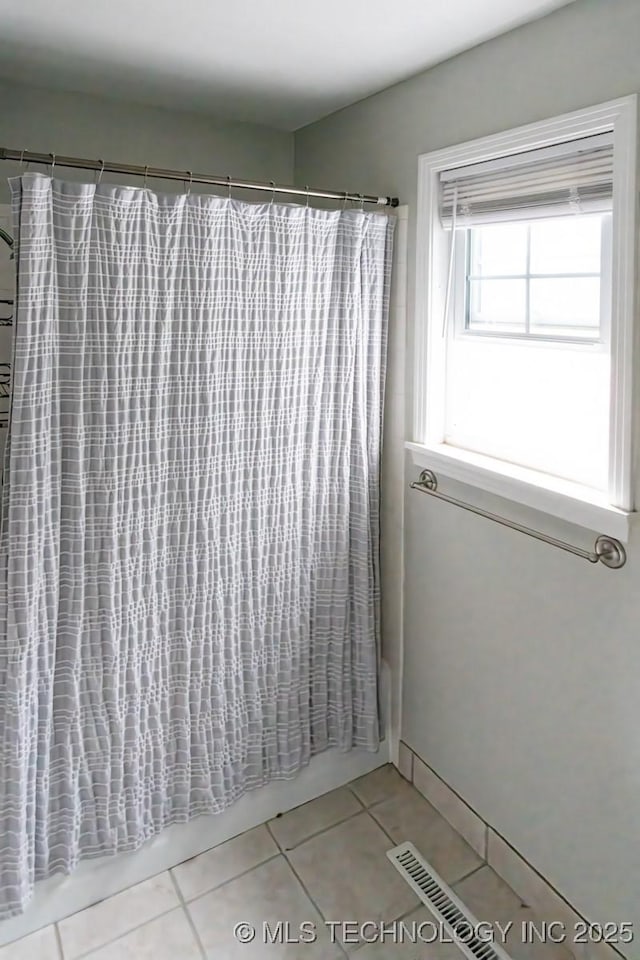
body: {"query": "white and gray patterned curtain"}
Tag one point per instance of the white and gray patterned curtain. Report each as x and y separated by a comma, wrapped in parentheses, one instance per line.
(190, 510)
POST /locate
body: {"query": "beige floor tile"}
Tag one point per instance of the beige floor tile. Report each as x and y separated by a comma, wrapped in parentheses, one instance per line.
(414, 938)
(348, 875)
(380, 784)
(269, 894)
(521, 945)
(408, 816)
(539, 897)
(169, 937)
(297, 825)
(224, 862)
(41, 945)
(116, 915)
(488, 897)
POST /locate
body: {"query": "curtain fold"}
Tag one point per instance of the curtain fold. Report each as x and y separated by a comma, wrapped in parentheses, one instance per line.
(190, 588)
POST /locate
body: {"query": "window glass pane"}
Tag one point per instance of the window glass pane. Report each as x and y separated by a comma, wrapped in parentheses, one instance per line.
(569, 306)
(498, 249)
(497, 304)
(566, 245)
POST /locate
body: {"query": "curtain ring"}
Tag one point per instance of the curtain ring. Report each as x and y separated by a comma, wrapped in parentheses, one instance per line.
(344, 202)
(273, 191)
(228, 187)
(361, 203)
(53, 162)
(307, 189)
(22, 153)
(146, 174)
(99, 178)
(190, 182)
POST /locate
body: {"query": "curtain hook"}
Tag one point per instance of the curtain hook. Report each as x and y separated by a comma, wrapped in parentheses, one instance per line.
(22, 153)
(190, 182)
(273, 191)
(53, 162)
(361, 203)
(307, 189)
(146, 174)
(344, 202)
(228, 187)
(99, 178)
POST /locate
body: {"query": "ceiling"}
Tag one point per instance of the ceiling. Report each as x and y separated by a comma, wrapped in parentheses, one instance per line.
(282, 63)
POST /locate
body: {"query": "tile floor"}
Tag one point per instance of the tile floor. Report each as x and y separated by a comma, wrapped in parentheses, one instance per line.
(323, 861)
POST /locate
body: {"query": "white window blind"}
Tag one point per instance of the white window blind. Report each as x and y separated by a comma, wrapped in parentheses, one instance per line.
(571, 177)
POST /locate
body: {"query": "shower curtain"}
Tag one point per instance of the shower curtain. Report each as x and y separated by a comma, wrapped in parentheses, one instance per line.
(189, 513)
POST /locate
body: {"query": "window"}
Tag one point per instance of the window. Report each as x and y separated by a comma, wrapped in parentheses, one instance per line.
(545, 279)
(525, 314)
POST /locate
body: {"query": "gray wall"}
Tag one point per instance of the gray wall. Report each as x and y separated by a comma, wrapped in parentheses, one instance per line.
(522, 663)
(87, 126)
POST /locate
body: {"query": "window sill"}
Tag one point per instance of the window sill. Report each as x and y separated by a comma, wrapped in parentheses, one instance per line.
(559, 498)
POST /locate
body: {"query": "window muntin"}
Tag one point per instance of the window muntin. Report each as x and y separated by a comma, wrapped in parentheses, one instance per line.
(543, 279)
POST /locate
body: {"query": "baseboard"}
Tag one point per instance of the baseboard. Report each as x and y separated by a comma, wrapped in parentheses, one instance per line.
(516, 871)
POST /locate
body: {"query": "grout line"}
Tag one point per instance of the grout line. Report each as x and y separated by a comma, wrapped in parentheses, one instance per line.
(445, 784)
(378, 803)
(354, 794)
(58, 937)
(87, 953)
(484, 851)
(384, 830)
(412, 756)
(390, 796)
(125, 933)
(213, 846)
(270, 832)
(218, 886)
(190, 921)
(554, 890)
(460, 879)
(306, 891)
(318, 833)
(110, 896)
(400, 919)
(465, 876)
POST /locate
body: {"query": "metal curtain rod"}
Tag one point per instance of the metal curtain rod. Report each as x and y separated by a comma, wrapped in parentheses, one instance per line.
(106, 166)
(606, 550)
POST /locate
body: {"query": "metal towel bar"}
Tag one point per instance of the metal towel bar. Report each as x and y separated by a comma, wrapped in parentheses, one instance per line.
(606, 550)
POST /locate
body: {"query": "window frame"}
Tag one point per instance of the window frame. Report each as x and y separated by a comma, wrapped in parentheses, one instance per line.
(568, 501)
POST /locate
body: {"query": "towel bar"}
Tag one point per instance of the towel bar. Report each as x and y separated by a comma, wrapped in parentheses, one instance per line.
(606, 550)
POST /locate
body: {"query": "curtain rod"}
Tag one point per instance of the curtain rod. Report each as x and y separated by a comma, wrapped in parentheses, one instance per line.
(106, 166)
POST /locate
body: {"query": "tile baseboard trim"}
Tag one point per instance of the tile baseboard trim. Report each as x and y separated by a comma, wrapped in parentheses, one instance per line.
(510, 865)
(404, 765)
(451, 806)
